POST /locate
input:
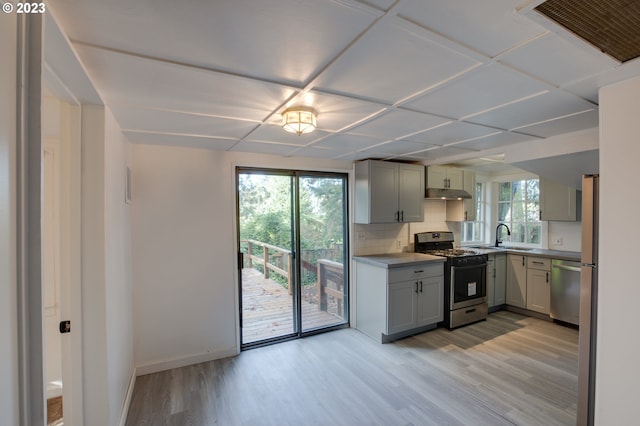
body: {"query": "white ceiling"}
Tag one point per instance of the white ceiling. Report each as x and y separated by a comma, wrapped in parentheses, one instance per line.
(421, 80)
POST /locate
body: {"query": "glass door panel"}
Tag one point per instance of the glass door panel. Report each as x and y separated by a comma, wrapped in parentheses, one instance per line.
(265, 212)
(322, 251)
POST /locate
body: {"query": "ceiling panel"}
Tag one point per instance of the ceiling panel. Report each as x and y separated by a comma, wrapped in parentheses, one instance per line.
(572, 123)
(275, 134)
(264, 148)
(479, 75)
(144, 119)
(271, 39)
(131, 80)
(479, 90)
(397, 63)
(180, 140)
(398, 123)
(451, 133)
(397, 148)
(588, 88)
(347, 143)
(495, 140)
(380, 4)
(325, 152)
(533, 110)
(557, 60)
(490, 26)
(441, 152)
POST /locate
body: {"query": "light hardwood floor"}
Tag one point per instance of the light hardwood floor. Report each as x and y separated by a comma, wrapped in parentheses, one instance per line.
(508, 370)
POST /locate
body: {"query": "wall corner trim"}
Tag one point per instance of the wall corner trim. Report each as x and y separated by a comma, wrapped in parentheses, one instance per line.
(127, 398)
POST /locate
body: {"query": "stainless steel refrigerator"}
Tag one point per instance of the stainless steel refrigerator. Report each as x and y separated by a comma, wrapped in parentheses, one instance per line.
(588, 300)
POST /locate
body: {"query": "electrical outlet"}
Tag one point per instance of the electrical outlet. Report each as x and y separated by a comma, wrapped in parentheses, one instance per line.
(360, 235)
(398, 244)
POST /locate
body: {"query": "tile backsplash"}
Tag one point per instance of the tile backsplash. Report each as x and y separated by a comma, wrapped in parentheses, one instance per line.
(398, 237)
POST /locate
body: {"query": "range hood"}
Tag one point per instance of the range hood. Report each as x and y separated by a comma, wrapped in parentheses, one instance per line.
(446, 194)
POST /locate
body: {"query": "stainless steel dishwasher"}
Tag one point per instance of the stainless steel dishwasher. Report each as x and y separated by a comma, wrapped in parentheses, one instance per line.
(565, 291)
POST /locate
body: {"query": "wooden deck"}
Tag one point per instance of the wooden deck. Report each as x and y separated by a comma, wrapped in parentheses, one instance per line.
(267, 309)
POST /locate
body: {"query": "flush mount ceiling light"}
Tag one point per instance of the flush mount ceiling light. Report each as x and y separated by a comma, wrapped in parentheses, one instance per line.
(299, 120)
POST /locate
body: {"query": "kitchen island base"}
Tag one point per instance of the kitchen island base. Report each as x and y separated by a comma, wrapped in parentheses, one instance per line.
(396, 299)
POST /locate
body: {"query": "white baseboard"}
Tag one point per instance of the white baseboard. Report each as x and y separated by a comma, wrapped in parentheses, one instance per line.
(168, 364)
(127, 398)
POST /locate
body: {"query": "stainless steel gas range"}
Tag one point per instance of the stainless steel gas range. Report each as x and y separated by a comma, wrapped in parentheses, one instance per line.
(465, 274)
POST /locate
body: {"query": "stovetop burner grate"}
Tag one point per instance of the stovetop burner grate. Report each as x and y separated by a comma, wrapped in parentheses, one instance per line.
(451, 252)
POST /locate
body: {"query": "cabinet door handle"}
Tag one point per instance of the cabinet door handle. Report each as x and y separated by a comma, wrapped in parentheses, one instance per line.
(397, 215)
(540, 215)
(494, 272)
(522, 260)
(465, 215)
(537, 262)
(418, 271)
(420, 286)
(547, 277)
(402, 216)
(416, 287)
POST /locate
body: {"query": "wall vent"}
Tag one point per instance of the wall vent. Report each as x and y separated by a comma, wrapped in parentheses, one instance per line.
(613, 26)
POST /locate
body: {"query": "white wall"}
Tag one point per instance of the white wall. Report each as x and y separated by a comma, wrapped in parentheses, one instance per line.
(8, 280)
(618, 346)
(93, 268)
(184, 251)
(570, 233)
(118, 269)
(106, 272)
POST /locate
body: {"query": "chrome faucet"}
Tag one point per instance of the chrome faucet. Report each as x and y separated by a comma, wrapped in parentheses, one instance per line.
(497, 228)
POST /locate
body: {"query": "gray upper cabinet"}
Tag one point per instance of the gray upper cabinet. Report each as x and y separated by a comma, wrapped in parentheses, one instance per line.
(559, 202)
(464, 210)
(444, 177)
(388, 192)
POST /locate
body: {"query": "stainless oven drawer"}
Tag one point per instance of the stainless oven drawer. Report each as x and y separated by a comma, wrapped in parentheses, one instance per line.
(468, 315)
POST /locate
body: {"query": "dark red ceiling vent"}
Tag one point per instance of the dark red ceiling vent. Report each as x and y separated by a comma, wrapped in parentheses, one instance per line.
(613, 26)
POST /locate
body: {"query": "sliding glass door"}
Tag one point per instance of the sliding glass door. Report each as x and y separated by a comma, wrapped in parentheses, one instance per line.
(292, 237)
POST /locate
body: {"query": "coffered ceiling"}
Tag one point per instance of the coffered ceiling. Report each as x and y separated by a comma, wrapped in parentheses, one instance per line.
(420, 80)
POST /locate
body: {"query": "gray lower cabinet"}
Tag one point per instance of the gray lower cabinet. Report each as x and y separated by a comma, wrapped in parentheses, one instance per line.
(496, 280)
(528, 283)
(397, 302)
(517, 280)
(539, 284)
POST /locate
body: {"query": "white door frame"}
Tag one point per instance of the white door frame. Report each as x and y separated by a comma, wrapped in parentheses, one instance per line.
(46, 57)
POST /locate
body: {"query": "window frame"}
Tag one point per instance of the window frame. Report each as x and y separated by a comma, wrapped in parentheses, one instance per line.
(480, 201)
(530, 220)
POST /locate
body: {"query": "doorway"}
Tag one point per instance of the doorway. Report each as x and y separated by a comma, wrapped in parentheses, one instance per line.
(61, 254)
(292, 236)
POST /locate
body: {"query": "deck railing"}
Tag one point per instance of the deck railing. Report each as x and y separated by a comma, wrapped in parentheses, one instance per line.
(330, 274)
(331, 283)
(264, 260)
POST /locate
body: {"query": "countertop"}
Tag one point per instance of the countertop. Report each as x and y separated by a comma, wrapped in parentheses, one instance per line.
(555, 254)
(398, 260)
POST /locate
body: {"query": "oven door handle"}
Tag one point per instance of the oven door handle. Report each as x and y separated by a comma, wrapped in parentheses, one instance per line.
(457, 268)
